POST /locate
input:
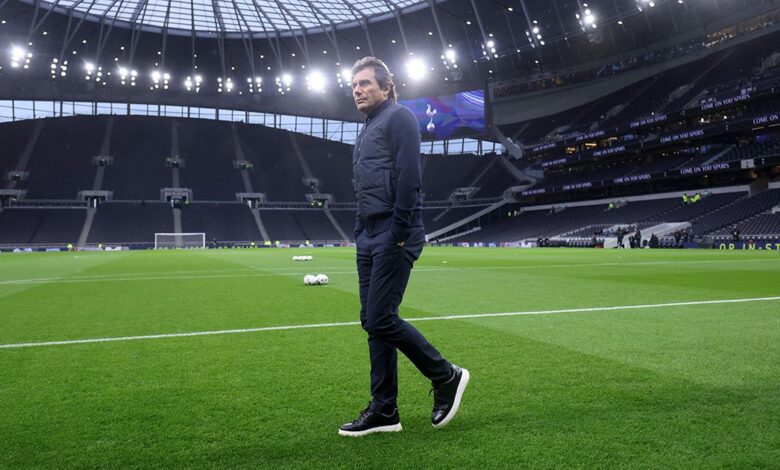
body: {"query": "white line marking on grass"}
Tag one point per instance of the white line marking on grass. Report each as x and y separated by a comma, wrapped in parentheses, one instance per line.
(354, 323)
(283, 271)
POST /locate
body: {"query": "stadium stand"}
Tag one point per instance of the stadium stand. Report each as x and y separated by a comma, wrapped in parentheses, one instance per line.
(331, 164)
(346, 220)
(315, 225)
(283, 225)
(735, 212)
(758, 225)
(126, 223)
(40, 226)
(277, 171)
(16, 135)
(442, 175)
(220, 221)
(61, 162)
(209, 155)
(139, 170)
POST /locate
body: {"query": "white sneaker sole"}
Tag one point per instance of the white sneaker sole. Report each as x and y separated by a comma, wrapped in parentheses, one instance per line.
(389, 428)
(464, 380)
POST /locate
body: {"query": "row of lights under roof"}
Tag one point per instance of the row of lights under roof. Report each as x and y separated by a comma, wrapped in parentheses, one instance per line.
(416, 69)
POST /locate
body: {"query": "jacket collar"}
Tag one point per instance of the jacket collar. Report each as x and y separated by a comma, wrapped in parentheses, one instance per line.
(384, 105)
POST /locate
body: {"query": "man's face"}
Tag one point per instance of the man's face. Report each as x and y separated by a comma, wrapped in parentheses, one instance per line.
(366, 91)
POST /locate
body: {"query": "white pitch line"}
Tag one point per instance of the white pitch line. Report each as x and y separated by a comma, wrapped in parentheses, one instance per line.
(354, 323)
(277, 272)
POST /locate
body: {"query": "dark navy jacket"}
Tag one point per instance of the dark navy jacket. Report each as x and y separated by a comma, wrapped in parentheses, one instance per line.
(386, 171)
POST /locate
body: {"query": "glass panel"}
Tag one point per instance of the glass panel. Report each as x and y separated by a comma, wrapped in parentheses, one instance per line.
(82, 108)
(44, 109)
(256, 118)
(303, 125)
(469, 146)
(138, 109)
(287, 122)
(206, 113)
(68, 108)
(23, 110)
(104, 108)
(120, 109)
(6, 110)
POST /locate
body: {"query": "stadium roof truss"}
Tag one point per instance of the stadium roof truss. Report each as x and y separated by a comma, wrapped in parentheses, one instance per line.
(235, 18)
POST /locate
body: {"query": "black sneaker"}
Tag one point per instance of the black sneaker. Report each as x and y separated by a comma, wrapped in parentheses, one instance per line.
(371, 421)
(447, 396)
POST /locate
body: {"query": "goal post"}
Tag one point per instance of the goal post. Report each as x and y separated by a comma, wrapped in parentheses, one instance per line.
(179, 240)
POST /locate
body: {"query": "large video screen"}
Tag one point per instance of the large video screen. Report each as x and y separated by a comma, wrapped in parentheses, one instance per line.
(444, 117)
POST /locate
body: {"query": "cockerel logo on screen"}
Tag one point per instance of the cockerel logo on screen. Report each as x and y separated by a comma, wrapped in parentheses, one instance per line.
(431, 112)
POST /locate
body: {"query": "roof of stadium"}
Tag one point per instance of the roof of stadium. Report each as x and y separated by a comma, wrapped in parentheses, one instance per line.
(257, 17)
(287, 53)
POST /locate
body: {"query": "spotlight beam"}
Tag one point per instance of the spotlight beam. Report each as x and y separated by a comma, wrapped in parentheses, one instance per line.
(485, 38)
(432, 5)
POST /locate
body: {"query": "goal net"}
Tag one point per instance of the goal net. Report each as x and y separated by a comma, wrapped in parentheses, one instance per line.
(179, 240)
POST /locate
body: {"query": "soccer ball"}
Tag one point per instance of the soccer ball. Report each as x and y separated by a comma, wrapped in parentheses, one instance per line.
(309, 280)
(322, 279)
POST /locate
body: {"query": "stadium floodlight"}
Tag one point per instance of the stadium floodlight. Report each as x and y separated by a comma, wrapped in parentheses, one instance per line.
(89, 69)
(229, 85)
(642, 4)
(283, 83)
(191, 84)
(586, 18)
(160, 78)
(255, 84)
(20, 57)
(450, 55)
(125, 75)
(416, 69)
(489, 48)
(344, 77)
(534, 36)
(56, 66)
(315, 81)
(449, 58)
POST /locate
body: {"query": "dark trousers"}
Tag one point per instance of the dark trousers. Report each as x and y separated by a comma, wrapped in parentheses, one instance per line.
(383, 272)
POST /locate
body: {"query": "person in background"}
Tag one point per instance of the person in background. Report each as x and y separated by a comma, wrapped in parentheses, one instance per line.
(735, 234)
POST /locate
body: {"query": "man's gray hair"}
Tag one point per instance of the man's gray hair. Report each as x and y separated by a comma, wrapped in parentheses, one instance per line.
(381, 72)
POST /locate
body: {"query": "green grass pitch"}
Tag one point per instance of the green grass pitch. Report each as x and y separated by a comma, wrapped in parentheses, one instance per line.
(694, 385)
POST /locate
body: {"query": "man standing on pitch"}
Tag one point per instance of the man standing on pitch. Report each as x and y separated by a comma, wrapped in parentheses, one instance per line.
(390, 236)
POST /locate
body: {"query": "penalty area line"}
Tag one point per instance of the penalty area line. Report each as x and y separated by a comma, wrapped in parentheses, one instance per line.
(354, 323)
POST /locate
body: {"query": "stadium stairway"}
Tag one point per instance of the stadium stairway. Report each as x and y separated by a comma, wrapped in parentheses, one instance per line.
(336, 225)
(97, 183)
(455, 225)
(260, 225)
